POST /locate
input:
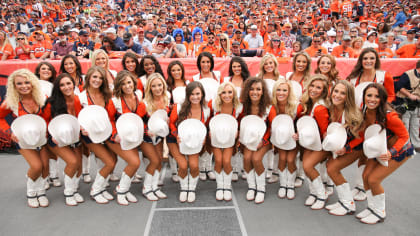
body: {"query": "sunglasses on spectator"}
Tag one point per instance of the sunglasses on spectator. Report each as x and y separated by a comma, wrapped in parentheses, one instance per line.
(223, 40)
(20, 39)
(317, 41)
(276, 40)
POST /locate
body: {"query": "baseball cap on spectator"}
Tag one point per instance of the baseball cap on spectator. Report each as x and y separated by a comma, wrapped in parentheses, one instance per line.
(38, 32)
(287, 25)
(2, 23)
(130, 19)
(331, 33)
(412, 31)
(94, 29)
(83, 33)
(170, 20)
(127, 37)
(110, 30)
(163, 25)
(372, 33)
(161, 43)
(238, 32)
(230, 25)
(382, 40)
(254, 27)
(74, 30)
(140, 30)
(61, 32)
(38, 25)
(270, 23)
(236, 43)
(346, 37)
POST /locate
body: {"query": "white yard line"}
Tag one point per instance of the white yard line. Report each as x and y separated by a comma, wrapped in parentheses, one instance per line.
(193, 208)
(238, 214)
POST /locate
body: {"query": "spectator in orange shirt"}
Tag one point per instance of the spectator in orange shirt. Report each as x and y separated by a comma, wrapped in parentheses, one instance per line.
(210, 47)
(6, 49)
(344, 50)
(275, 48)
(238, 38)
(409, 51)
(224, 46)
(23, 49)
(41, 49)
(316, 50)
(383, 50)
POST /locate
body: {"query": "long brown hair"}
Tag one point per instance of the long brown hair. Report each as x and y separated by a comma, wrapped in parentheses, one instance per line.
(104, 89)
(118, 82)
(186, 105)
(358, 68)
(333, 73)
(383, 107)
(246, 100)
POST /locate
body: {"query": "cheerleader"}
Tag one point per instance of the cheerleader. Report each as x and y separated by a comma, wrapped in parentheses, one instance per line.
(326, 66)
(368, 69)
(155, 98)
(256, 101)
(100, 58)
(148, 65)
(46, 72)
(377, 110)
(313, 104)
(97, 92)
(194, 107)
(205, 65)
(131, 64)
(64, 101)
(24, 96)
(71, 65)
(301, 67)
(269, 72)
(343, 110)
(238, 73)
(284, 102)
(175, 80)
(226, 102)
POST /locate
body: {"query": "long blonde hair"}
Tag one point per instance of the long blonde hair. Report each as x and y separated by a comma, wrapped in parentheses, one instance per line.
(218, 100)
(353, 116)
(95, 55)
(148, 95)
(291, 98)
(12, 95)
(307, 71)
(227, 49)
(306, 101)
(263, 61)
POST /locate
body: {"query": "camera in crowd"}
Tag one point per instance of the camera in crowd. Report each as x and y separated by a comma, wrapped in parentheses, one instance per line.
(407, 105)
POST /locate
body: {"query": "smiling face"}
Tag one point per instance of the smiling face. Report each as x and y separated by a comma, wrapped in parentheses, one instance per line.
(156, 87)
(315, 89)
(196, 96)
(227, 94)
(269, 66)
(372, 99)
(368, 61)
(130, 64)
(45, 72)
(23, 85)
(301, 63)
(66, 86)
(69, 65)
(325, 65)
(256, 92)
(282, 92)
(176, 72)
(149, 66)
(96, 80)
(127, 86)
(338, 95)
(205, 64)
(236, 68)
(100, 60)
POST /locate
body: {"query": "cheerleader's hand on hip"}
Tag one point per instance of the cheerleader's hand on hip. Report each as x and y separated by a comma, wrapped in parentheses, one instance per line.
(385, 157)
